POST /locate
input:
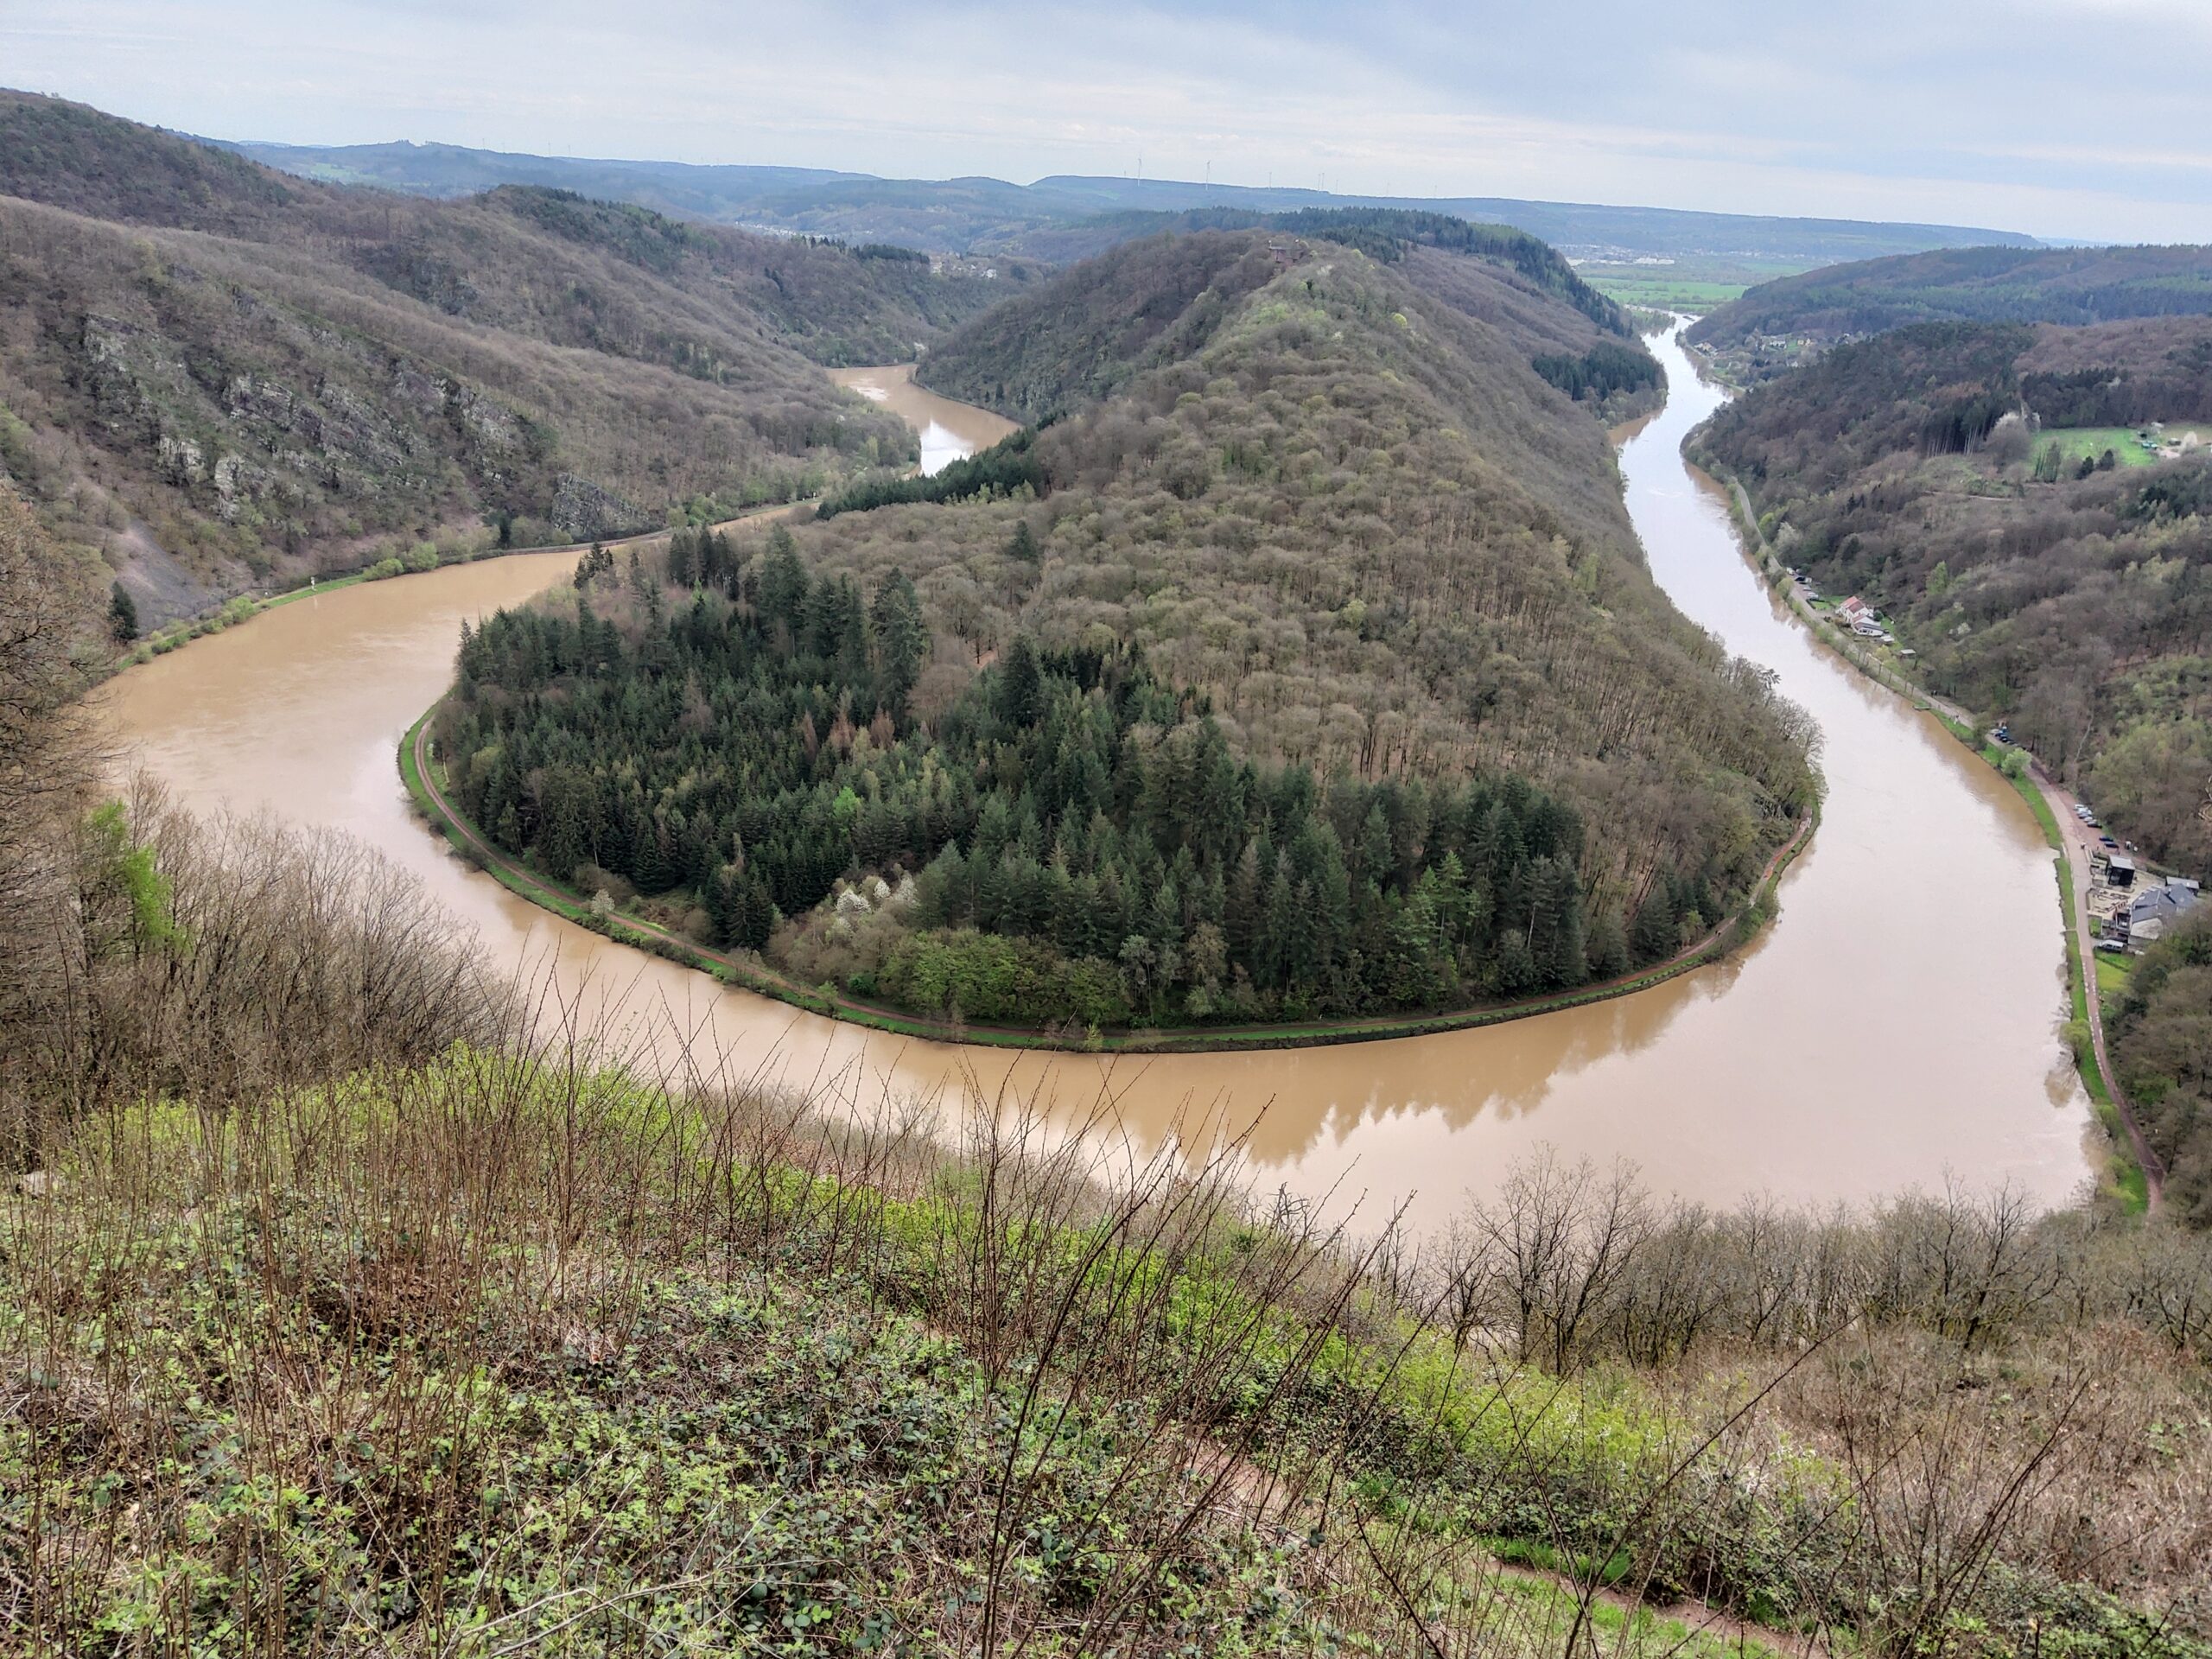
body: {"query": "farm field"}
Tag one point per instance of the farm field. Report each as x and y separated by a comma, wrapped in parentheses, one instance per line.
(2078, 443)
(1661, 292)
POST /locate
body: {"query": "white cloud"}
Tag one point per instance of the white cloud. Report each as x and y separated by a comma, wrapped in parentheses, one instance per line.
(1964, 111)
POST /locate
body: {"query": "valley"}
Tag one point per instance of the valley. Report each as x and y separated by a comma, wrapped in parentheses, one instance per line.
(768, 909)
(1735, 1078)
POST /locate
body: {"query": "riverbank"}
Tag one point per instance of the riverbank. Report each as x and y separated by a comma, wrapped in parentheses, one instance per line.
(425, 778)
(244, 607)
(2131, 1166)
(301, 716)
(946, 430)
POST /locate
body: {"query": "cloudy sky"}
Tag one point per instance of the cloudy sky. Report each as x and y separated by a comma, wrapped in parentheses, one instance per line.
(2062, 118)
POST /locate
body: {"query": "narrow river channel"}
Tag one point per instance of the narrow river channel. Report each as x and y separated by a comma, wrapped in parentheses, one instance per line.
(1898, 1023)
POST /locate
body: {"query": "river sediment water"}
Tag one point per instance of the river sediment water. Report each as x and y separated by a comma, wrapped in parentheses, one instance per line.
(948, 430)
(1897, 1023)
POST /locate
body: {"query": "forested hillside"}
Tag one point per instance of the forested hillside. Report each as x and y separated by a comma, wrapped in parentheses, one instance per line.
(216, 375)
(1777, 322)
(346, 1309)
(1990, 490)
(1079, 338)
(1074, 340)
(1315, 669)
(1968, 481)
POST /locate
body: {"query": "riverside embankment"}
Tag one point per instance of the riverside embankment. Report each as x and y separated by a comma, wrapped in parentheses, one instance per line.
(1899, 1019)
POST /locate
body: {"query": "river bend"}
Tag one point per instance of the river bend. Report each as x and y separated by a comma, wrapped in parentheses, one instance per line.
(1897, 1023)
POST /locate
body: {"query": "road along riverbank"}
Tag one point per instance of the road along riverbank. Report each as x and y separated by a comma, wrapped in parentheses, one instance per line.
(2134, 1173)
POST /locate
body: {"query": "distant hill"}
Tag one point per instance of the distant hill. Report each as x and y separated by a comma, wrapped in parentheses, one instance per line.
(219, 375)
(988, 215)
(1777, 322)
(1075, 339)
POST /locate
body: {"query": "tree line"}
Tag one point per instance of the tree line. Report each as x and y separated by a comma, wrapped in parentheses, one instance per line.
(1072, 838)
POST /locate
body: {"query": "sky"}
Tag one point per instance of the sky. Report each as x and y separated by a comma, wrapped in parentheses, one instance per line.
(2088, 118)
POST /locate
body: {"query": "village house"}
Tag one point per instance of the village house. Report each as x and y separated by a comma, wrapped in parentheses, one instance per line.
(2156, 909)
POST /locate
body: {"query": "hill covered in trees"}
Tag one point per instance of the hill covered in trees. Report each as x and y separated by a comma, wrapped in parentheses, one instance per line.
(1075, 340)
(1973, 482)
(1776, 323)
(1933, 471)
(345, 1308)
(1059, 218)
(1307, 665)
(216, 375)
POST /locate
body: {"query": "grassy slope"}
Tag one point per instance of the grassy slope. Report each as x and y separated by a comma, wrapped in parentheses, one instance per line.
(680, 1364)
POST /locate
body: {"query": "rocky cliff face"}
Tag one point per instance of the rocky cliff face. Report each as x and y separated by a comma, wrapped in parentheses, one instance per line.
(267, 377)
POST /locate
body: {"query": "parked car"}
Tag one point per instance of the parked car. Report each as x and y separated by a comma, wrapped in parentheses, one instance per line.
(2107, 841)
(2112, 944)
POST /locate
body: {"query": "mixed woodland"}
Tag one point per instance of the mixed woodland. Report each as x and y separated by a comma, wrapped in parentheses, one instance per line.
(2066, 593)
(214, 376)
(344, 1308)
(1777, 324)
(1306, 666)
(1968, 481)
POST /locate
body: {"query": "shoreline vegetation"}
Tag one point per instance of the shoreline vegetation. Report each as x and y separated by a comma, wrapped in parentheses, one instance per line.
(338, 1317)
(244, 607)
(2128, 1166)
(421, 772)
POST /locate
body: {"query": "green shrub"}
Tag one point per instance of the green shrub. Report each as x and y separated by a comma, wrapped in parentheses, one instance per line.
(989, 977)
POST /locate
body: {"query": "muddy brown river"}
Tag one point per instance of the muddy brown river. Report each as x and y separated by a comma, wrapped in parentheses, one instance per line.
(949, 430)
(1898, 1023)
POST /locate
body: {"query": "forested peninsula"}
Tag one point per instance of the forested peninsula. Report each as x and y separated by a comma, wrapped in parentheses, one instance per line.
(1304, 667)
